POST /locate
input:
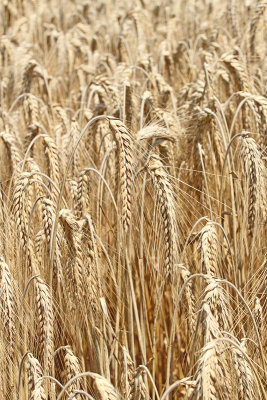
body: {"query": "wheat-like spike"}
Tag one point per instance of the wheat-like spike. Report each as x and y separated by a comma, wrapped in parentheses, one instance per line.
(76, 267)
(45, 318)
(101, 142)
(209, 249)
(72, 190)
(242, 77)
(216, 135)
(197, 94)
(34, 372)
(210, 326)
(12, 148)
(259, 10)
(92, 241)
(135, 389)
(215, 307)
(70, 367)
(168, 66)
(52, 156)
(165, 90)
(148, 103)
(234, 22)
(33, 167)
(2, 207)
(127, 381)
(128, 106)
(89, 238)
(125, 145)
(73, 136)
(7, 48)
(105, 389)
(210, 377)
(82, 195)
(156, 132)
(27, 76)
(39, 239)
(63, 118)
(165, 197)
(258, 315)
(260, 107)
(254, 169)
(31, 110)
(200, 123)
(139, 390)
(48, 212)
(245, 383)
(62, 49)
(7, 306)
(21, 211)
(22, 193)
(48, 216)
(139, 22)
(190, 297)
(108, 92)
(99, 91)
(123, 55)
(19, 200)
(167, 156)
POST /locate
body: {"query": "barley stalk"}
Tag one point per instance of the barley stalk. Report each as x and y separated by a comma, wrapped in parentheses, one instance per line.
(124, 142)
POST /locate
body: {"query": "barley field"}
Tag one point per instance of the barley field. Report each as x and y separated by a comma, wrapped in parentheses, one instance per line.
(133, 202)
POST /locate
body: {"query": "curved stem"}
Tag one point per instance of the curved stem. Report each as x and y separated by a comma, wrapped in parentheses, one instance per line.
(20, 369)
(91, 374)
(184, 381)
(81, 392)
(52, 379)
(26, 289)
(151, 379)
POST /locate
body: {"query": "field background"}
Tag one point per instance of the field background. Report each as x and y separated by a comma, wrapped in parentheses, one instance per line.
(133, 199)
